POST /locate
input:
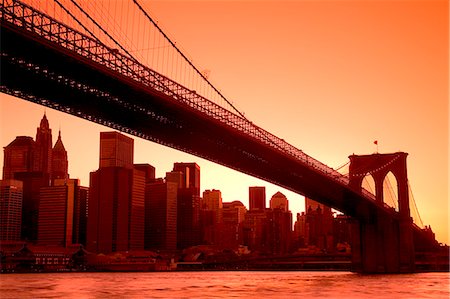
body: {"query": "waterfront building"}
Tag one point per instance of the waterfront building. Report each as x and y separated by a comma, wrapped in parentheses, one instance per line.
(11, 194)
(188, 205)
(231, 233)
(30, 162)
(279, 225)
(257, 198)
(320, 225)
(56, 210)
(80, 213)
(161, 213)
(254, 230)
(116, 199)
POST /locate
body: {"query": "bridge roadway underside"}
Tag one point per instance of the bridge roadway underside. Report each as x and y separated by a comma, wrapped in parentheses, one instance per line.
(37, 70)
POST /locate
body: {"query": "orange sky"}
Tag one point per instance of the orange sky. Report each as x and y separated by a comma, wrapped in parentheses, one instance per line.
(329, 77)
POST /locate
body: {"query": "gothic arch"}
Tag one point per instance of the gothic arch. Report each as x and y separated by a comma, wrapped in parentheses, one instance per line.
(379, 165)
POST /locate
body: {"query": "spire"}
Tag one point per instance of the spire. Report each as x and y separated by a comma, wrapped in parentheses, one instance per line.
(59, 146)
(44, 122)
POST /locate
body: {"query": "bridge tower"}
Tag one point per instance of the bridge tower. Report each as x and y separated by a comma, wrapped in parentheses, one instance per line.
(382, 244)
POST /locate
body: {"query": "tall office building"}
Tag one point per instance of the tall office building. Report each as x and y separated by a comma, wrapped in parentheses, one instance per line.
(60, 164)
(43, 148)
(161, 213)
(231, 234)
(11, 193)
(116, 150)
(257, 198)
(188, 205)
(18, 157)
(319, 219)
(279, 201)
(80, 210)
(211, 216)
(212, 201)
(116, 198)
(191, 176)
(56, 213)
(279, 225)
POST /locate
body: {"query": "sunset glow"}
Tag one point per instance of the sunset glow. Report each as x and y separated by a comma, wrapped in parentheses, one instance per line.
(329, 77)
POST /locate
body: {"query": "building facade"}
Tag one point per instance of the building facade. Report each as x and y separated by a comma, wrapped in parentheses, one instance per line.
(11, 195)
(257, 198)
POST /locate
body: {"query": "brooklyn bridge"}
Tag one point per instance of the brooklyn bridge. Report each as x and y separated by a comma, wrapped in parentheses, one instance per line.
(70, 61)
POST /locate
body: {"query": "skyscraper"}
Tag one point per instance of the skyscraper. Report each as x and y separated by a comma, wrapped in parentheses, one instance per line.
(116, 150)
(257, 198)
(116, 199)
(279, 201)
(212, 201)
(60, 162)
(18, 157)
(11, 194)
(279, 224)
(80, 210)
(30, 162)
(191, 175)
(188, 205)
(319, 219)
(56, 211)
(43, 148)
(161, 213)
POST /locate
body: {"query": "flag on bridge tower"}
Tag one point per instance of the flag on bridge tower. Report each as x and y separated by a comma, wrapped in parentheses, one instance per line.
(376, 143)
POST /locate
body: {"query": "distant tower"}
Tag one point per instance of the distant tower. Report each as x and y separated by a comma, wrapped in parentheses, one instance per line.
(116, 150)
(116, 198)
(59, 160)
(11, 194)
(279, 201)
(43, 150)
(18, 156)
(188, 205)
(212, 201)
(257, 198)
(56, 211)
(161, 213)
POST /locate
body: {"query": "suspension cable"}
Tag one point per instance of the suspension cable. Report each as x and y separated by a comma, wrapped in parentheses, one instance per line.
(188, 61)
(103, 30)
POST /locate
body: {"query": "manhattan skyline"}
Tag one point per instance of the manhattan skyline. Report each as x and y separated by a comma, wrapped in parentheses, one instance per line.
(328, 77)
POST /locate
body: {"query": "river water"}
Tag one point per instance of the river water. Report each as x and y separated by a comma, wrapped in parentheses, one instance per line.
(224, 285)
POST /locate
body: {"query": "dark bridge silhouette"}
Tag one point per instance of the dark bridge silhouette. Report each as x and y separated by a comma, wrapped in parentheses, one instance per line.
(47, 62)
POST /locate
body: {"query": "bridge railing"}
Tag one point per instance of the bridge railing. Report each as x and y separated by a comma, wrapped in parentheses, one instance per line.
(28, 18)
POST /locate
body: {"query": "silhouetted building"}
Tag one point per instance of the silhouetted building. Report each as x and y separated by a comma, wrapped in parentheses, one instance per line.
(60, 164)
(188, 205)
(56, 213)
(43, 148)
(279, 201)
(116, 199)
(191, 176)
(18, 157)
(231, 234)
(257, 198)
(279, 225)
(212, 200)
(278, 231)
(116, 150)
(254, 230)
(80, 213)
(11, 194)
(300, 230)
(319, 219)
(161, 213)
